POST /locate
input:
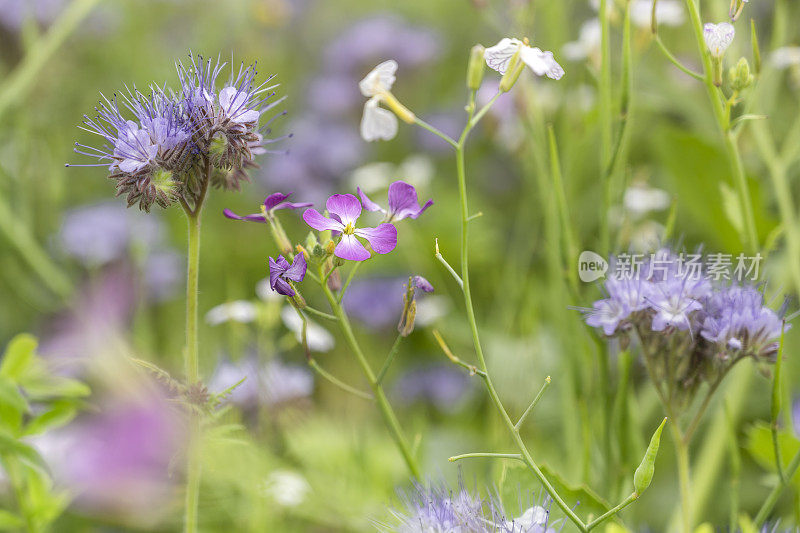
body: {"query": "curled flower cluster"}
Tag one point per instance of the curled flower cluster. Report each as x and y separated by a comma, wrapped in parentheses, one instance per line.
(166, 146)
(691, 329)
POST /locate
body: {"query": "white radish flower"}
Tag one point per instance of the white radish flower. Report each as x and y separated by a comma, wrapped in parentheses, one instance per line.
(540, 62)
(668, 13)
(378, 123)
(718, 37)
(785, 57)
(588, 43)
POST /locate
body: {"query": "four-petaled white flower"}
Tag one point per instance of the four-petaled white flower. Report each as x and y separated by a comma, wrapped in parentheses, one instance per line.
(376, 122)
(541, 63)
(718, 37)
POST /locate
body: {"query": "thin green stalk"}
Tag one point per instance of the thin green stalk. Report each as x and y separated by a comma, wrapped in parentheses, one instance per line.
(350, 277)
(682, 455)
(533, 404)
(570, 246)
(462, 190)
(377, 390)
(605, 107)
(392, 353)
(191, 361)
(336, 381)
(675, 61)
(608, 514)
(772, 499)
(24, 76)
(319, 313)
(493, 455)
(750, 237)
(421, 123)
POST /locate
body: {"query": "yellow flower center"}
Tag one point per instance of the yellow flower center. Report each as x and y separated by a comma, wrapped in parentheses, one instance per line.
(349, 229)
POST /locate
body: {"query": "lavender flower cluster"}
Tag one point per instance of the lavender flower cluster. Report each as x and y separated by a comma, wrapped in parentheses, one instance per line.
(436, 508)
(166, 146)
(705, 326)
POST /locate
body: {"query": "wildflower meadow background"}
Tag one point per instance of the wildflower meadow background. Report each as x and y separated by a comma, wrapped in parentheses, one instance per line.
(451, 266)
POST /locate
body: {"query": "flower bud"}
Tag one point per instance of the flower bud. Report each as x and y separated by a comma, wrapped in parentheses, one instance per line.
(311, 241)
(297, 300)
(736, 9)
(475, 68)
(644, 474)
(402, 112)
(330, 247)
(164, 187)
(513, 71)
(218, 149)
(740, 76)
(406, 324)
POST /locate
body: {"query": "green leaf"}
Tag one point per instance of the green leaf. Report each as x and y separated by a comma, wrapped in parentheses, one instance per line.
(9, 520)
(16, 448)
(60, 414)
(11, 397)
(759, 445)
(56, 387)
(18, 356)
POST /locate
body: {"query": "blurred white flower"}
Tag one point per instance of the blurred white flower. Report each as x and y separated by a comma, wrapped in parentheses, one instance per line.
(319, 339)
(287, 488)
(265, 292)
(529, 520)
(718, 37)
(641, 199)
(416, 170)
(588, 43)
(430, 309)
(785, 57)
(668, 13)
(281, 383)
(376, 122)
(541, 63)
(237, 311)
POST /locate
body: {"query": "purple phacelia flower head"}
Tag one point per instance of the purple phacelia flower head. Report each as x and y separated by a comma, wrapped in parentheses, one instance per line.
(272, 203)
(281, 273)
(403, 202)
(737, 321)
(148, 146)
(345, 210)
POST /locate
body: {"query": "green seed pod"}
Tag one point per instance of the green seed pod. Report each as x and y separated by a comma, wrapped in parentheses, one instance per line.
(475, 68)
(513, 70)
(644, 474)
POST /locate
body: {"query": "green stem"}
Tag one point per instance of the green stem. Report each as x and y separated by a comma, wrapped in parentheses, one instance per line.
(682, 455)
(377, 390)
(390, 358)
(533, 404)
(608, 514)
(17, 84)
(772, 499)
(350, 277)
(336, 381)
(421, 123)
(455, 458)
(604, 92)
(462, 190)
(750, 237)
(319, 313)
(674, 60)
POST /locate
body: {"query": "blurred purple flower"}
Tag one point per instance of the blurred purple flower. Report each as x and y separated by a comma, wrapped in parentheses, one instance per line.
(101, 233)
(403, 202)
(322, 152)
(118, 460)
(450, 123)
(796, 415)
(346, 209)
(101, 313)
(378, 37)
(228, 373)
(442, 386)
(273, 202)
(281, 273)
(377, 302)
(333, 94)
(163, 275)
(273, 384)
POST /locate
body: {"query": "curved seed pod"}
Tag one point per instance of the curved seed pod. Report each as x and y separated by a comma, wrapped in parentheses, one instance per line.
(644, 473)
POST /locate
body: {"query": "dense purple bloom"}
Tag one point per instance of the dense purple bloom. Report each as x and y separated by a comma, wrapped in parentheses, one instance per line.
(736, 319)
(281, 273)
(144, 155)
(403, 202)
(346, 209)
(272, 203)
(624, 298)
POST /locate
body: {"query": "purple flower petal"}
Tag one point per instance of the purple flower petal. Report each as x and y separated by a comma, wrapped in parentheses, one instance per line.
(274, 199)
(345, 206)
(255, 217)
(282, 287)
(422, 284)
(403, 201)
(276, 268)
(314, 219)
(349, 248)
(368, 204)
(297, 271)
(383, 239)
